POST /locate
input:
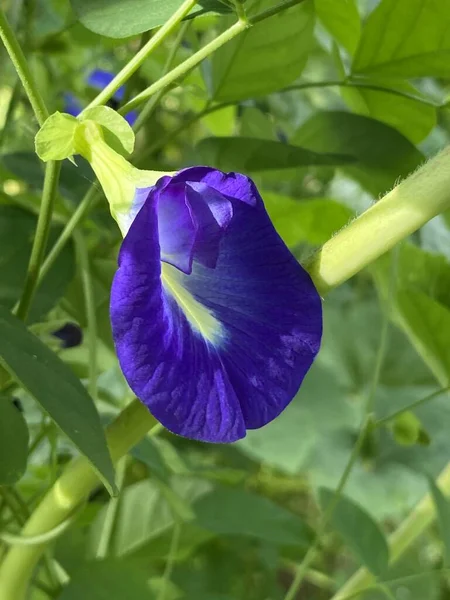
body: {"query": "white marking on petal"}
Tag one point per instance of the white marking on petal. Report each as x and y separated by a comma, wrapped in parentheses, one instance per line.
(201, 318)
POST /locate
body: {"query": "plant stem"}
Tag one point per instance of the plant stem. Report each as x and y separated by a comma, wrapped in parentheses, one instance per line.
(89, 300)
(61, 500)
(149, 108)
(240, 11)
(411, 204)
(81, 211)
(134, 64)
(182, 69)
(412, 406)
(23, 70)
(111, 513)
(52, 171)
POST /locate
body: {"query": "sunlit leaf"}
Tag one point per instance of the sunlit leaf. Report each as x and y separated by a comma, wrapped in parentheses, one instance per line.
(406, 38)
(342, 20)
(265, 58)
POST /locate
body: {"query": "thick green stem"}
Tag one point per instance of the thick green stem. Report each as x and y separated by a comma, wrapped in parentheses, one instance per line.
(133, 65)
(51, 181)
(411, 204)
(62, 499)
(23, 70)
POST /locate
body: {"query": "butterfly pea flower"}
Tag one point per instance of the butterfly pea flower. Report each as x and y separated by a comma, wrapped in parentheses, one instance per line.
(215, 322)
(98, 80)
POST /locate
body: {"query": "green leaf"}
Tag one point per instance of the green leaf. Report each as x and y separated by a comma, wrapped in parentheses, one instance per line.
(17, 228)
(55, 139)
(125, 18)
(13, 442)
(405, 39)
(418, 270)
(114, 123)
(412, 117)
(342, 20)
(228, 511)
(311, 220)
(108, 579)
(267, 57)
(360, 532)
(253, 154)
(45, 377)
(442, 505)
(427, 324)
(381, 154)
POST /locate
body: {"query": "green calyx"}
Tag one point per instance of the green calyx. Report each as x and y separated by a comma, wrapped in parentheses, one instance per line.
(102, 137)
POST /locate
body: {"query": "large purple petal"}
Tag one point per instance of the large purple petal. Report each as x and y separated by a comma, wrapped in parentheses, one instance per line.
(221, 349)
(170, 367)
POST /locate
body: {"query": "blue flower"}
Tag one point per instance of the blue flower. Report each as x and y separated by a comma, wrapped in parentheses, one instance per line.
(214, 320)
(98, 80)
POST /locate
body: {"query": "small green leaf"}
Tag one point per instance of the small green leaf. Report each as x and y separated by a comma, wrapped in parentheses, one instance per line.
(412, 117)
(114, 124)
(359, 530)
(45, 377)
(13, 442)
(406, 429)
(442, 505)
(342, 20)
(55, 139)
(253, 154)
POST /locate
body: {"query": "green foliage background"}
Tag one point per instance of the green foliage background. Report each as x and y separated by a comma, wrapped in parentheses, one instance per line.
(326, 105)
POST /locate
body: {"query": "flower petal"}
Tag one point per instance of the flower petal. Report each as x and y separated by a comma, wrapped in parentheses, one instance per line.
(177, 228)
(213, 213)
(220, 349)
(99, 79)
(167, 364)
(72, 105)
